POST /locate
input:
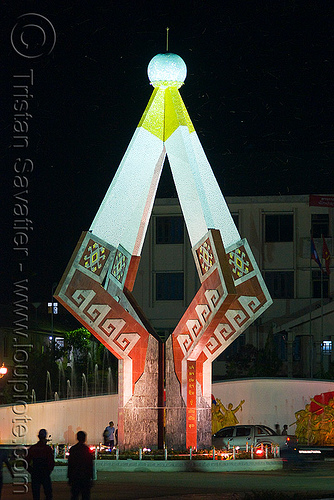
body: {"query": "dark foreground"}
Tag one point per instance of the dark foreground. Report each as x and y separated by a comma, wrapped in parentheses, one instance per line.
(305, 482)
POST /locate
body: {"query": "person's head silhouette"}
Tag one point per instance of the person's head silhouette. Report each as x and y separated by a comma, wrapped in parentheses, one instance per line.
(81, 436)
(42, 434)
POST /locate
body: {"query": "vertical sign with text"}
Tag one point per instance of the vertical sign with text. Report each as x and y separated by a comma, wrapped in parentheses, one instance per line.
(191, 433)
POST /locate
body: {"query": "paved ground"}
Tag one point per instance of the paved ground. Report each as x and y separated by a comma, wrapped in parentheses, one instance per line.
(314, 483)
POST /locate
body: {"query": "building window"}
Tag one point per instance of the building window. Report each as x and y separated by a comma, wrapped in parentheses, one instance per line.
(233, 349)
(280, 343)
(326, 347)
(278, 227)
(280, 284)
(320, 225)
(319, 278)
(169, 230)
(169, 286)
(164, 333)
(296, 348)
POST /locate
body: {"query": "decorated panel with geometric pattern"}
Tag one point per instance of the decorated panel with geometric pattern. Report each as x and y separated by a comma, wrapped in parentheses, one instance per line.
(107, 320)
(205, 256)
(94, 257)
(241, 261)
(111, 319)
(119, 267)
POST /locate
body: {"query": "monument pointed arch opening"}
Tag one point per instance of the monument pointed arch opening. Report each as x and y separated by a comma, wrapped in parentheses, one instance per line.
(97, 284)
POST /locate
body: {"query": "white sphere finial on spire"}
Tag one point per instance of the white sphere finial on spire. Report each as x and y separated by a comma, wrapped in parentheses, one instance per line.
(167, 70)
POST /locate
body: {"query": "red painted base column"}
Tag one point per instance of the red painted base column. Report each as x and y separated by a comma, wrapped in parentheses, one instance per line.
(191, 418)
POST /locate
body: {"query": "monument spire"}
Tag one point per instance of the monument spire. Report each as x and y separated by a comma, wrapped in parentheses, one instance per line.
(167, 40)
(165, 128)
(97, 285)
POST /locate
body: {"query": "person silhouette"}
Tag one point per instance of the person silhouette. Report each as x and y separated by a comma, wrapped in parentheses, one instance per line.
(40, 465)
(109, 435)
(80, 468)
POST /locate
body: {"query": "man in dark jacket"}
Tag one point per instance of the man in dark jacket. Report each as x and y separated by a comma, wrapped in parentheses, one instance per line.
(80, 468)
(40, 465)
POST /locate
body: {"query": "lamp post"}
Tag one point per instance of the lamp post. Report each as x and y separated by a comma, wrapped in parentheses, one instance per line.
(3, 370)
(53, 309)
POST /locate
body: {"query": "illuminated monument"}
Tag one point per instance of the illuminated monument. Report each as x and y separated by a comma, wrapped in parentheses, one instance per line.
(96, 286)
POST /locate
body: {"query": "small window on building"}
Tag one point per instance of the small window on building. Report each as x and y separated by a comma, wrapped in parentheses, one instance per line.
(233, 349)
(280, 343)
(296, 348)
(164, 333)
(280, 284)
(326, 347)
(320, 279)
(320, 225)
(169, 286)
(169, 230)
(278, 227)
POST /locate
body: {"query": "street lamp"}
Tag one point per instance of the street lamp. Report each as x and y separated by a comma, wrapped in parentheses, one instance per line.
(3, 370)
(53, 309)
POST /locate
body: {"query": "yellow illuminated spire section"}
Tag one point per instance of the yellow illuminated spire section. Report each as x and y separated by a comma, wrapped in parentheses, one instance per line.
(166, 111)
(175, 113)
(153, 116)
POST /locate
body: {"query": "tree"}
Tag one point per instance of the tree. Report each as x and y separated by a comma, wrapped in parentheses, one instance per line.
(78, 339)
(252, 362)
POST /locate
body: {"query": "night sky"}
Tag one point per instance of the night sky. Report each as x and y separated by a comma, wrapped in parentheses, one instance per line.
(259, 93)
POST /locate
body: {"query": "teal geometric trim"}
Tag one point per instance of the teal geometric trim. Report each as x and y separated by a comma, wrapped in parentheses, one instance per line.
(119, 267)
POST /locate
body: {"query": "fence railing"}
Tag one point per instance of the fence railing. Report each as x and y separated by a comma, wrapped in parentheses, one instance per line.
(102, 452)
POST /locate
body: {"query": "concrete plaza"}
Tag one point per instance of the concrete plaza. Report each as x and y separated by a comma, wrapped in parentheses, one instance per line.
(314, 482)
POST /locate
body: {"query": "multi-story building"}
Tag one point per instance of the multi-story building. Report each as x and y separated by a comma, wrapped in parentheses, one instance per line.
(300, 322)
